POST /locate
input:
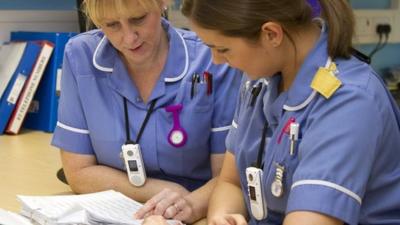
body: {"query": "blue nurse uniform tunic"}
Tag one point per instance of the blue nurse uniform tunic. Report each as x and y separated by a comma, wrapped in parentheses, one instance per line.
(346, 162)
(91, 116)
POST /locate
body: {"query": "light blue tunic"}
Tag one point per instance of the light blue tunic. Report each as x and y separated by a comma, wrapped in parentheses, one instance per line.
(91, 116)
(347, 160)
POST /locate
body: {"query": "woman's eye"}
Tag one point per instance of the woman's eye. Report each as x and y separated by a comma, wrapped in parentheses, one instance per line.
(223, 50)
(112, 25)
(137, 20)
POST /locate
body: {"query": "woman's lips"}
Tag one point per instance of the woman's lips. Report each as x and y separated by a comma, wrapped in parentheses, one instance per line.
(137, 48)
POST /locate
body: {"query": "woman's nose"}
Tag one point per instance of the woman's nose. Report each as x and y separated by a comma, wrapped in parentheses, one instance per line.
(130, 34)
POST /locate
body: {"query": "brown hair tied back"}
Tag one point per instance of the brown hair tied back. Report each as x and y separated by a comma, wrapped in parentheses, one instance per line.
(244, 18)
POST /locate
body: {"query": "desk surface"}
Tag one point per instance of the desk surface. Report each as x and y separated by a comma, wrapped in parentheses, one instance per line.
(28, 165)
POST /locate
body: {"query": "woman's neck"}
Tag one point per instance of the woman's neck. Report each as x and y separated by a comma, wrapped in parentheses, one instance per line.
(304, 40)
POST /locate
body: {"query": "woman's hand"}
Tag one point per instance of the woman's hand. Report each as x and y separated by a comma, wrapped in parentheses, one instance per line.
(227, 219)
(154, 220)
(169, 204)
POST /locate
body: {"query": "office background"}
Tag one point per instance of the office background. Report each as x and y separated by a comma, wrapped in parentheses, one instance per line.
(386, 58)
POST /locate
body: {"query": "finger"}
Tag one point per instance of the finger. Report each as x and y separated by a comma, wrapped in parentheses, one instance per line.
(150, 213)
(185, 210)
(144, 210)
(154, 220)
(165, 203)
(183, 215)
(236, 219)
(170, 212)
(150, 204)
(219, 221)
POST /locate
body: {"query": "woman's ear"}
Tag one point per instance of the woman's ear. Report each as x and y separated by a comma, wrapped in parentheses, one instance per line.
(163, 4)
(272, 34)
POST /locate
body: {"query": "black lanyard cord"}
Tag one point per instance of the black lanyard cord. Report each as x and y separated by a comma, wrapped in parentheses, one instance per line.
(146, 119)
(127, 132)
(262, 145)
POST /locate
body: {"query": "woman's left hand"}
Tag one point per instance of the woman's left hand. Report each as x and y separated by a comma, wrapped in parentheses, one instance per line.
(169, 204)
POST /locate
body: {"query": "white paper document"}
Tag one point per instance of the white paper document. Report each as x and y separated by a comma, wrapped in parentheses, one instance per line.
(108, 207)
(10, 218)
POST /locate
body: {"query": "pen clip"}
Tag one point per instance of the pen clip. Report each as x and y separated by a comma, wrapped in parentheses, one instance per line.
(208, 78)
(254, 93)
(195, 80)
(294, 131)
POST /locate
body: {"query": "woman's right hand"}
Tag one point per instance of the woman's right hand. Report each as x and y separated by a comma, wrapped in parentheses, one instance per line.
(227, 219)
(154, 220)
(168, 203)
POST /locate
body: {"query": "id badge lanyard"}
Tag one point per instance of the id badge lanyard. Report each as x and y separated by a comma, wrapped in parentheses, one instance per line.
(131, 151)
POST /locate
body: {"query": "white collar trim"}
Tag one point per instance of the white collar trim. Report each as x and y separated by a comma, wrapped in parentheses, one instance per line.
(168, 79)
(102, 68)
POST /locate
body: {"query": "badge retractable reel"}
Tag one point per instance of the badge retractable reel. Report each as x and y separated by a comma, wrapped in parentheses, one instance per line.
(131, 152)
(177, 137)
(277, 184)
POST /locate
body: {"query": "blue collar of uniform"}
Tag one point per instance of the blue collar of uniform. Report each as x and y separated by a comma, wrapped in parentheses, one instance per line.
(300, 93)
(177, 64)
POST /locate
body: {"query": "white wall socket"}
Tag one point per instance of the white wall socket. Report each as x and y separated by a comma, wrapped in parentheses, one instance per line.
(367, 21)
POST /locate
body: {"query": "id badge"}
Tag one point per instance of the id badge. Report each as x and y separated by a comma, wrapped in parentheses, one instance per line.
(133, 160)
(258, 205)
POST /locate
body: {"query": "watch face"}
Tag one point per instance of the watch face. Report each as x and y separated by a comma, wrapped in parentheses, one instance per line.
(277, 188)
(176, 137)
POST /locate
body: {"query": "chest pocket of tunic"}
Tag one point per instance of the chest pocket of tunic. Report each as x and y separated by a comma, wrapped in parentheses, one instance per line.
(192, 160)
(200, 101)
(283, 158)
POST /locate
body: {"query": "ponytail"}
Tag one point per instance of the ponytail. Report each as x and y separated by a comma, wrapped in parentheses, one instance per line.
(340, 20)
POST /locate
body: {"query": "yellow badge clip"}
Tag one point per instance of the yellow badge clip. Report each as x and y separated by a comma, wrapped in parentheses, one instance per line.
(325, 82)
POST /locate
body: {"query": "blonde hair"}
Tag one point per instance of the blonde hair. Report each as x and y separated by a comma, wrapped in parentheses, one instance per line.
(97, 10)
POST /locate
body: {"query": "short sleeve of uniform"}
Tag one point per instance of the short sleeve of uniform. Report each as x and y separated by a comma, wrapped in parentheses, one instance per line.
(71, 132)
(227, 85)
(232, 136)
(335, 157)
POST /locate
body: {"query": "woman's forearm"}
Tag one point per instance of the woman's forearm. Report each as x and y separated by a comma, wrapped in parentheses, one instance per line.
(199, 199)
(227, 198)
(99, 178)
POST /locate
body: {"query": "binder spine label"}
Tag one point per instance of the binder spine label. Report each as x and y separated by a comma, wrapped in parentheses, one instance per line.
(58, 82)
(16, 89)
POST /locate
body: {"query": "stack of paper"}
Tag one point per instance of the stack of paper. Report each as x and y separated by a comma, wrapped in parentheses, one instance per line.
(10, 218)
(108, 207)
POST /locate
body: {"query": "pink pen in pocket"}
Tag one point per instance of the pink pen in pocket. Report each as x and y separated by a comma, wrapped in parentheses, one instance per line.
(286, 128)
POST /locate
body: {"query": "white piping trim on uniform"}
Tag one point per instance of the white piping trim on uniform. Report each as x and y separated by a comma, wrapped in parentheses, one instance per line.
(310, 97)
(234, 124)
(185, 70)
(219, 129)
(174, 79)
(105, 69)
(329, 184)
(302, 105)
(73, 129)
